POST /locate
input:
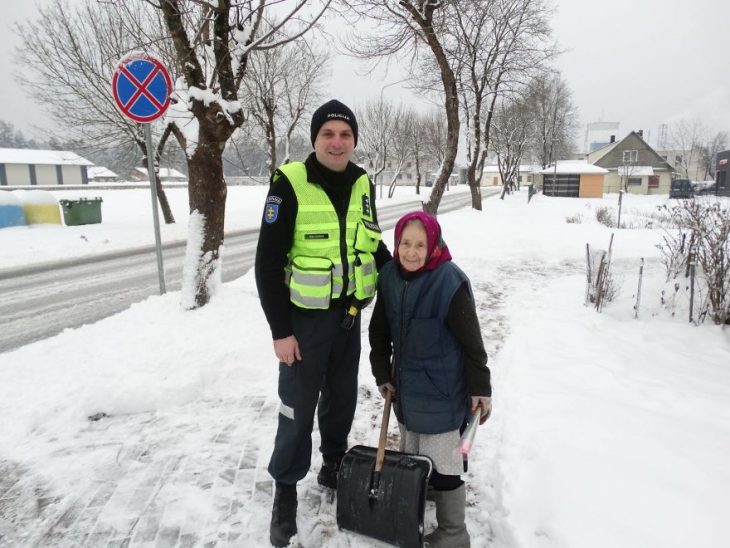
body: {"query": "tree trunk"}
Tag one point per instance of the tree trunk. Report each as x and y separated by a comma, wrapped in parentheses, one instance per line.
(476, 191)
(162, 198)
(452, 119)
(207, 199)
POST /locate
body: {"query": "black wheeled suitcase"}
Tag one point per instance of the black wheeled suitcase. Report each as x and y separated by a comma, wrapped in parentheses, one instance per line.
(382, 494)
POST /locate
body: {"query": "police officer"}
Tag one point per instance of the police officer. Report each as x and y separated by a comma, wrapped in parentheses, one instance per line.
(316, 261)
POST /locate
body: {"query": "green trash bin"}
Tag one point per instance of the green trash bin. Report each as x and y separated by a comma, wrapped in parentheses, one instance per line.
(84, 211)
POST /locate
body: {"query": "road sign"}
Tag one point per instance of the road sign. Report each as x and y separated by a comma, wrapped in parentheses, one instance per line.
(141, 87)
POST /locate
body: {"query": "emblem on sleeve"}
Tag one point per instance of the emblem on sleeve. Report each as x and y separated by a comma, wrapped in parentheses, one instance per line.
(366, 205)
(271, 213)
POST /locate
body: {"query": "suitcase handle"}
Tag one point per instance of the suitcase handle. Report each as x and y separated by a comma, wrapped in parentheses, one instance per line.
(380, 456)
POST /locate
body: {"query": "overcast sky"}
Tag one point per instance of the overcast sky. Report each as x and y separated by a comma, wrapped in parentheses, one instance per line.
(637, 62)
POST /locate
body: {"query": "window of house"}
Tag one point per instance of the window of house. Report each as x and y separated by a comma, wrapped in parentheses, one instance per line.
(635, 181)
(400, 176)
(408, 164)
(677, 159)
(631, 156)
(654, 181)
(529, 178)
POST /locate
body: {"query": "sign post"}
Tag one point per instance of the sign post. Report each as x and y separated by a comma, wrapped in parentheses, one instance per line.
(142, 86)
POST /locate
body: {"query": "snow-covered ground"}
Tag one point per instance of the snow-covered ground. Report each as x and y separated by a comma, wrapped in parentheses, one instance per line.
(607, 431)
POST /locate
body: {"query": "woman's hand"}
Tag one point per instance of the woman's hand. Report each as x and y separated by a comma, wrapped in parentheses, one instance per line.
(385, 388)
(485, 404)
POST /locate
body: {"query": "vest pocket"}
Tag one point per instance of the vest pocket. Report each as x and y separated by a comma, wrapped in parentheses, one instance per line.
(310, 283)
(367, 236)
(366, 276)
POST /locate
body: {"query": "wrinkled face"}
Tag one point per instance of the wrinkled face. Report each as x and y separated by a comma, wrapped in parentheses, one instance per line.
(334, 145)
(413, 246)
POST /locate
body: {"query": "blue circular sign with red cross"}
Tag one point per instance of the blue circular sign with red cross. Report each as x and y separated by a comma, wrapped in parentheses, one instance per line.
(141, 87)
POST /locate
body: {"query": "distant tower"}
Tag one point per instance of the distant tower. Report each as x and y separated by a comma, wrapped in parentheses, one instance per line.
(662, 139)
(599, 134)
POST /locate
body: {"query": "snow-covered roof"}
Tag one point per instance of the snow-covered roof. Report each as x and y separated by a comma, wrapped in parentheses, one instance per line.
(574, 167)
(635, 171)
(42, 157)
(100, 171)
(164, 172)
(494, 168)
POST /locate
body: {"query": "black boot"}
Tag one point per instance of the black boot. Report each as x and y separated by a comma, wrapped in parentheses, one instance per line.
(327, 476)
(284, 515)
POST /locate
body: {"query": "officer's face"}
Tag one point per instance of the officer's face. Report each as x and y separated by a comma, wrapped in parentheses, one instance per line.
(334, 145)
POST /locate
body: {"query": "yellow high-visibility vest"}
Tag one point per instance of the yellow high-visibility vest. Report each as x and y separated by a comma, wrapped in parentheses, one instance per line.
(324, 249)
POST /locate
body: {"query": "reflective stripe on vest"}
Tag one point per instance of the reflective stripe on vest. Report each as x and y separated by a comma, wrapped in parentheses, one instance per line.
(317, 238)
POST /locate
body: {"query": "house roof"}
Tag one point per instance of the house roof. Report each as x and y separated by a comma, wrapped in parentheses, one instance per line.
(573, 167)
(603, 157)
(164, 172)
(42, 157)
(100, 171)
(494, 168)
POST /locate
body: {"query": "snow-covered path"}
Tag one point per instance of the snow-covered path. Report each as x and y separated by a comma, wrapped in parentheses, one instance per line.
(191, 475)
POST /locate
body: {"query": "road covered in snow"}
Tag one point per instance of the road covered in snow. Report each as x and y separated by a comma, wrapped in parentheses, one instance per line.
(44, 298)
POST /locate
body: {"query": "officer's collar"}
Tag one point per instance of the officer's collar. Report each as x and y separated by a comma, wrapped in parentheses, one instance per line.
(320, 174)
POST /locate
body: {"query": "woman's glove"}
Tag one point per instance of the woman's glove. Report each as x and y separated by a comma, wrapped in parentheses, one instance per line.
(485, 404)
(383, 388)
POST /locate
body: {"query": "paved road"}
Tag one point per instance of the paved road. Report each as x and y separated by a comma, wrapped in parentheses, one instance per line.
(41, 301)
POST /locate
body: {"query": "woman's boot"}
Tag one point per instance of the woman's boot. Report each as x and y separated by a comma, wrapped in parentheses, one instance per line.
(450, 513)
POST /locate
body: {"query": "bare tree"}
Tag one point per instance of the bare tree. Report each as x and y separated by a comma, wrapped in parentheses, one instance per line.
(552, 108)
(687, 137)
(496, 46)
(401, 146)
(717, 143)
(410, 28)
(435, 135)
(214, 42)
(415, 134)
(512, 129)
(281, 87)
(68, 56)
(378, 120)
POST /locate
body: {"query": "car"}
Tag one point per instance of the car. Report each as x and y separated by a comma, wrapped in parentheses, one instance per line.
(703, 187)
(681, 188)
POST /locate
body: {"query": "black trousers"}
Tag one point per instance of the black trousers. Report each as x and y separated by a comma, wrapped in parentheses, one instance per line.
(325, 379)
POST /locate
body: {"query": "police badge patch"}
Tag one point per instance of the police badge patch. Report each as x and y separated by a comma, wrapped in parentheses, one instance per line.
(271, 213)
(366, 205)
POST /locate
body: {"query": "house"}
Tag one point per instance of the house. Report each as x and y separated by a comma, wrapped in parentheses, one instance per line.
(406, 175)
(688, 164)
(492, 177)
(30, 167)
(166, 175)
(633, 166)
(101, 174)
(722, 175)
(575, 179)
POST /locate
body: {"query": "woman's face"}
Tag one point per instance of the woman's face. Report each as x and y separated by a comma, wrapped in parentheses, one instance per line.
(413, 247)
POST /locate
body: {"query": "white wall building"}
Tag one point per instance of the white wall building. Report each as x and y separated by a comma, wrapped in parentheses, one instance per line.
(30, 167)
